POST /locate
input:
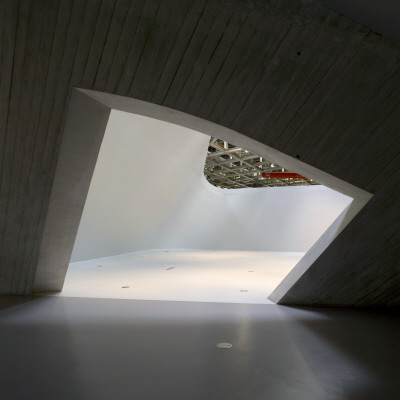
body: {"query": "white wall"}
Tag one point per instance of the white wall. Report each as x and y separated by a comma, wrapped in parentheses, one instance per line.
(148, 191)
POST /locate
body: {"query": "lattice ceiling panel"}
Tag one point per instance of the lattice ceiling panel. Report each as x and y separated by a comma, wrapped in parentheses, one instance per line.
(231, 167)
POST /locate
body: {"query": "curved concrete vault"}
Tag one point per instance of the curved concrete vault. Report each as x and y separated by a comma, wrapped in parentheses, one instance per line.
(293, 75)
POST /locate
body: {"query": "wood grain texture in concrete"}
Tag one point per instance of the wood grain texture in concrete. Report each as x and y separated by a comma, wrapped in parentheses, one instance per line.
(294, 75)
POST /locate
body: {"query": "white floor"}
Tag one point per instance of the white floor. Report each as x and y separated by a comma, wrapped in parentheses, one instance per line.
(182, 275)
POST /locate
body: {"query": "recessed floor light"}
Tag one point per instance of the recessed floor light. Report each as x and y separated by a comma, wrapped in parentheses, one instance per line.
(224, 345)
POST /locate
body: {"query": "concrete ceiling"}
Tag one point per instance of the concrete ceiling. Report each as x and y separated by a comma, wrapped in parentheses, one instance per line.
(291, 74)
(382, 16)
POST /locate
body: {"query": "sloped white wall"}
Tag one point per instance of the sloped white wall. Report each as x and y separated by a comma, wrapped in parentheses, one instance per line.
(148, 192)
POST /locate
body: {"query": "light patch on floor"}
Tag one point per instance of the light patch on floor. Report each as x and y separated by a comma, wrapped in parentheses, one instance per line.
(182, 275)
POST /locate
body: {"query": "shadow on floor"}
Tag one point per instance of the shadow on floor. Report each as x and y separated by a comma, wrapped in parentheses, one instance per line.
(360, 345)
(74, 348)
(10, 301)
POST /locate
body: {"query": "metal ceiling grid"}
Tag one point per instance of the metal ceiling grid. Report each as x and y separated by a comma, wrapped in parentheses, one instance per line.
(231, 167)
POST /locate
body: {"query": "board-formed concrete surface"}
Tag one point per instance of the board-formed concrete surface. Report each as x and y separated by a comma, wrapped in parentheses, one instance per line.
(101, 349)
(181, 275)
(294, 75)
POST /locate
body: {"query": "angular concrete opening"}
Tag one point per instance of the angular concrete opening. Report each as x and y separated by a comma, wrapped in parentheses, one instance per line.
(86, 123)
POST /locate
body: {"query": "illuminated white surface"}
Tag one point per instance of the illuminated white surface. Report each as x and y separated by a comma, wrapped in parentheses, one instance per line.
(135, 205)
(182, 275)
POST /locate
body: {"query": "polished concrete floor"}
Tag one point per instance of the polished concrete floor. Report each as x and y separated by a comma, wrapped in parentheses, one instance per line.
(182, 275)
(100, 349)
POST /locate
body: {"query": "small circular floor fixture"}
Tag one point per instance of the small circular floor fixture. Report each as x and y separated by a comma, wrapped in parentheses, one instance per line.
(224, 345)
